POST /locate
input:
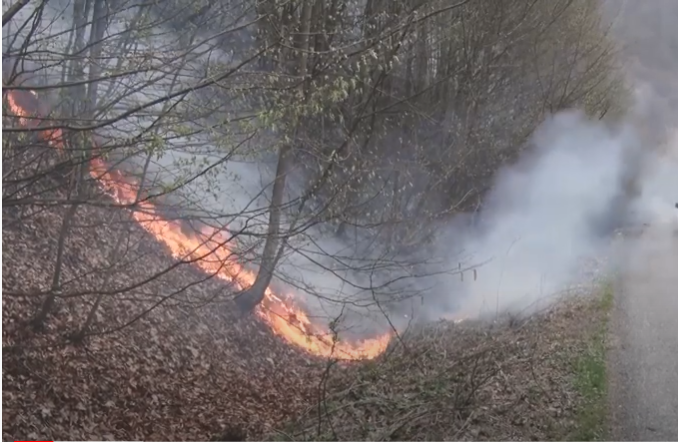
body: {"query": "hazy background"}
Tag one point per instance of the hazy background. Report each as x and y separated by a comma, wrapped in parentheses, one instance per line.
(544, 216)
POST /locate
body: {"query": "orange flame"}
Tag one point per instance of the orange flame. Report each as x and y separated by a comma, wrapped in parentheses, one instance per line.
(279, 311)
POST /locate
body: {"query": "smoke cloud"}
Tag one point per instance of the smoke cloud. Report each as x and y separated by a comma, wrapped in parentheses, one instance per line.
(545, 215)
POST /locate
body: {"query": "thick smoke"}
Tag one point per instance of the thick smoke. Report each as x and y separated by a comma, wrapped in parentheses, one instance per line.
(556, 207)
(545, 216)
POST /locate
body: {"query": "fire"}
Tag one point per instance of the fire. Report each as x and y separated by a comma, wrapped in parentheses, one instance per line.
(208, 250)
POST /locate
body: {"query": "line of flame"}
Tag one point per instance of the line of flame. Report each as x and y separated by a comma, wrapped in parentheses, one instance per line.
(277, 310)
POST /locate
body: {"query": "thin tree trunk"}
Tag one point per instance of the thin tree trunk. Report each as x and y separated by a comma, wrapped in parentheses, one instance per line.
(81, 10)
(13, 10)
(95, 42)
(55, 289)
(274, 247)
(250, 298)
(96, 35)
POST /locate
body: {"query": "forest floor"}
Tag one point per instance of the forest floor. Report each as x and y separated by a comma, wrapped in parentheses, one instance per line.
(168, 359)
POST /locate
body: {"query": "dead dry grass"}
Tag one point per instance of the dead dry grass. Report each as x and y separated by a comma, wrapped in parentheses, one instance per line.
(511, 380)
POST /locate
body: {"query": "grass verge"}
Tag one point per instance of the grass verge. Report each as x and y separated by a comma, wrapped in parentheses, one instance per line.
(591, 375)
(536, 378)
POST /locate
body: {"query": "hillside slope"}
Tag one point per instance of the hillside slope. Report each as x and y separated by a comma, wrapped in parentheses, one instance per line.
(168, 359)
(536, 379)
(187, 369)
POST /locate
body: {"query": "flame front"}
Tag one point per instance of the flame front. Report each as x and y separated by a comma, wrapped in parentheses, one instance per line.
(208, 250)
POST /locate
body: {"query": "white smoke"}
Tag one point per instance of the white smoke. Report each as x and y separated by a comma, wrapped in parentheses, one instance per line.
(543, 215)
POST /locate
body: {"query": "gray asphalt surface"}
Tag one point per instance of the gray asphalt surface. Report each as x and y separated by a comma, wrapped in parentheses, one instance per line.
(643, 361)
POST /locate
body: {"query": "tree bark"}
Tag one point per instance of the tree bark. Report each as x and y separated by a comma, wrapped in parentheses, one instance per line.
(13, 10)
(274, 246)
(47, 306)
(84, 152)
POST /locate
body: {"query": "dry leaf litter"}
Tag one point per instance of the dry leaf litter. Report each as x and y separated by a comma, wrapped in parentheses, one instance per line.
(167, 358)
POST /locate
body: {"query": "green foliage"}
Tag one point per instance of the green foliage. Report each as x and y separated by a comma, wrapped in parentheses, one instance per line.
(591, 376)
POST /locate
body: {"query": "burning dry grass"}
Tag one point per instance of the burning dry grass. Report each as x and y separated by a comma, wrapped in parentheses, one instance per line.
(514, 381)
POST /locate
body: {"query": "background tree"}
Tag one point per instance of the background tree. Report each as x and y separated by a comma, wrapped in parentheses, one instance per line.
(413, 107)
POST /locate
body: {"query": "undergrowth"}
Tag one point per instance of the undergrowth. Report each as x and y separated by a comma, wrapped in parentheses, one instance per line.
(591, 375)
(542, 378)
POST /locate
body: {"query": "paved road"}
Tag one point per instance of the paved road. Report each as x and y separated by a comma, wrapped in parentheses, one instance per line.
(644, 358)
